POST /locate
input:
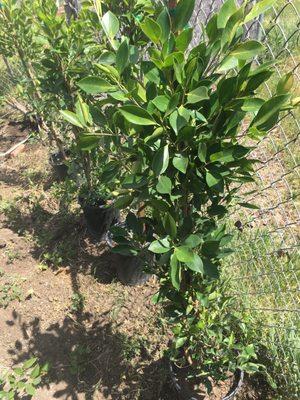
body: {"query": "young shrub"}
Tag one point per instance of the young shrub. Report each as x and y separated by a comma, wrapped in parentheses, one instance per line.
(187, 120)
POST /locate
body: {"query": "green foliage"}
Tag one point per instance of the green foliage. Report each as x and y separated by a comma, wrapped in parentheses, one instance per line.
(176, 120)
(22, 380)
(9, 292)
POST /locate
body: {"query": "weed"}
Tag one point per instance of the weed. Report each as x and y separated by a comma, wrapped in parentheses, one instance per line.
(22, 381)
(132, 346)
(77, 302)
(79, 359)
(12, 255)
(10, 292)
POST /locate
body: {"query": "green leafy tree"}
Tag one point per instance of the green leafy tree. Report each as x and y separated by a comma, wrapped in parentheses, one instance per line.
(186, 120)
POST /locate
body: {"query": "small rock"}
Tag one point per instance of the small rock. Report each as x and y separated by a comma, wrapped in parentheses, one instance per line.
(2, 243)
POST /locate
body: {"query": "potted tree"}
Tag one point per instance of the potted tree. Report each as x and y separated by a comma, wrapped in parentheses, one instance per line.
(188, 119)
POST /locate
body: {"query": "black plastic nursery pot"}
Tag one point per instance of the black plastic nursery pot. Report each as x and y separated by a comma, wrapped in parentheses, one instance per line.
(59, 166)
(99, 217)
(185, 393)
(130, 271)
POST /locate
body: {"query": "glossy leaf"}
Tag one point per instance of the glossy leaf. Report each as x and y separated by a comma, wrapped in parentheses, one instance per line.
(175, 271)
(122, 56)
(270, 109)
(199, 94)
(247, 50)
(161, 160)
(164, 185)
(227, 9)
(184, 254)
(137, 115)
(181, 163)
(202, 150)
(161, 102)
(170, 225)
(192, 241)
(151, 29)
(95, 85)
(110, 24)
(259, 8)
(160, 246)
(183, 40)
(182, 14)
(88, 142)
(164, 22)
(71, 117)
(196, 264)
(285, 84)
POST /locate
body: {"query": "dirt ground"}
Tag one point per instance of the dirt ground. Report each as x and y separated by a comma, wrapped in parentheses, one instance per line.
(60, 301)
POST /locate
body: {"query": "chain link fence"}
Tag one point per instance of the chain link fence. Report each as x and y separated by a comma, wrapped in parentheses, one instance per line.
(266, 264)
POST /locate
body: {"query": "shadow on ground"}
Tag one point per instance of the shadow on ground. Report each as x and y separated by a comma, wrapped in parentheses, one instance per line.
(84, 359)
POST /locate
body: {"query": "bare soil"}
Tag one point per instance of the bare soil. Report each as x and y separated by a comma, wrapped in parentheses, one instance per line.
(64, 306)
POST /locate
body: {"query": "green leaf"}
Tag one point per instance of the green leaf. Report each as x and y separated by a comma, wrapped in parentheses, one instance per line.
(123, 201)
(29, 363)
(175, 272)
(164, 185)
(184, 254)
(199, 94)
(71, 117)
(180, 342)
(160, 246)
(164, 22)
(180, 162)
(226, 11)
(285, 84)
(137, 115)
(192, 241)
(161, 160)
(35, 372)
(247, 50)
(95, 85)
(161, 102)
(196, 264)
(182, 14)
(110, 24)
(252, 104)
(202, 150)
(151, 29)
(183, 40)
(122, 56)
(179, 119)
(170, 225)
(30, 390)
(225, 155)
(214, 180)
(270, 109)
(258, 9)
(210, 248)
(210, 269)
(88, 142)
(124, 250)
(158, 132)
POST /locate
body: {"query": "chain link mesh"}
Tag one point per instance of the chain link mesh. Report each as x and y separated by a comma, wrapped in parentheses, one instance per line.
(266, 264)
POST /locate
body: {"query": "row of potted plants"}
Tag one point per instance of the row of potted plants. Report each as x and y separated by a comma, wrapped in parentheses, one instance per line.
(161, 133)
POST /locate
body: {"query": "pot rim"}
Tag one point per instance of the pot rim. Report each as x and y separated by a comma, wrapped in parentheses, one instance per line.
(235, 388)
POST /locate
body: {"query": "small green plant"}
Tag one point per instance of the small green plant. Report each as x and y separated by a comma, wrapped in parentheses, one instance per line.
(9, 292)
(22, 380)
(77, 302)
(12, 255)
(79, 359)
